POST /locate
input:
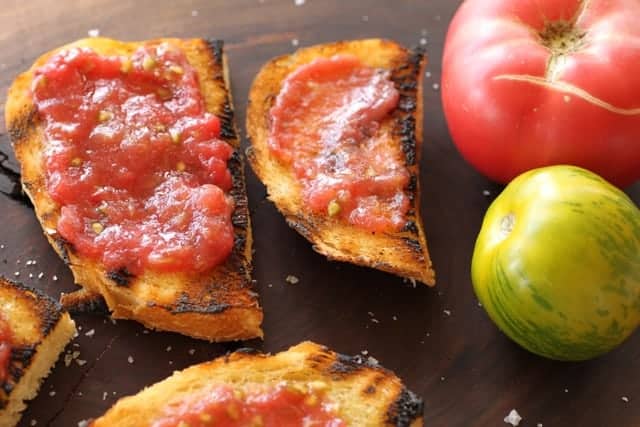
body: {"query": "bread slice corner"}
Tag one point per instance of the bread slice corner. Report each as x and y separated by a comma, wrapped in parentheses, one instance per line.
(40, 331)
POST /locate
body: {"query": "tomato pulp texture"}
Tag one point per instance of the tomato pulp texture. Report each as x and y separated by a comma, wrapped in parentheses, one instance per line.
(325, 123)
(534, 83)
(134, 160)
(223, 406)
(5, 348)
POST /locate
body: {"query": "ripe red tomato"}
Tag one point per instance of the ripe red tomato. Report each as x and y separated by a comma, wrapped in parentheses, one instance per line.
(532, 83)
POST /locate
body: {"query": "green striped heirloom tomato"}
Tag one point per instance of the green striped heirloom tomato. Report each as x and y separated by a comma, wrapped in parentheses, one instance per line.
(557, 263)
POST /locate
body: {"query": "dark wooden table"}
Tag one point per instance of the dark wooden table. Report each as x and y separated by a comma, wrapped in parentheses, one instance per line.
(467, 372)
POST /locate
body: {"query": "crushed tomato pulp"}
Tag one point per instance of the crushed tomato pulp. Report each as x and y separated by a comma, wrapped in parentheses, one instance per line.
(134, 159)
(279, 406)
(5, 348)
(325, 123)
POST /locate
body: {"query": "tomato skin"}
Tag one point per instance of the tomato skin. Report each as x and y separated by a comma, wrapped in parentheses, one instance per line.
(584, 110)
(557, 263)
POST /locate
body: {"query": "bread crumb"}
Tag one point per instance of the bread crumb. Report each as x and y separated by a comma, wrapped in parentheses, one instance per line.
(486, 192)
(52, 393)
(130, 359)
(513, 418)
(291, 279)
(625, 399)
(427, 74)
(447, 312)
(194, 13)
(364, 352)
(17, 273)
(566, 390)
(94, 32)
(192, 351)
(539, 425)
(54, 278)
(40, 275)
(83, 423)
(442, 378)
(104, 395)
(365, 18)
(423, 41)
(394, 317)
(295, 42)
(81, 362)
(169, 348)
(90, 333)
(298, 2)
(30, 275)
(33, 422)
(436, 86)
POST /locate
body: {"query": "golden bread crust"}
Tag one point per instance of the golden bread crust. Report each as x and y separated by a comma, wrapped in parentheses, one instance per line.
(404, 253)
(217, 305)
(366, 393)
(39, 332)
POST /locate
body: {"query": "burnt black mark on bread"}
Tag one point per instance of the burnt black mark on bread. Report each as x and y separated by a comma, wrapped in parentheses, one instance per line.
(344, 364)
(84, 301)
(19, 129)
(216, 48)
(64, 247)
(121, 277)
(14, 191)
(19, 361)
(406, 78)
(406, 409)
(410, 227)
(227, 129)
(49, 310)
(413, 244)
(185, 305)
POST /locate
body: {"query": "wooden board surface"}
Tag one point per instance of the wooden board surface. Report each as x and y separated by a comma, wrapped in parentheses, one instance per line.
(468, 373)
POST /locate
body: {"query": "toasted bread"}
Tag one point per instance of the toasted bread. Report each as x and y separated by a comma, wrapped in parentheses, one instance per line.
(217, 305)
(365, 393)
(39, 332)
(404, 253)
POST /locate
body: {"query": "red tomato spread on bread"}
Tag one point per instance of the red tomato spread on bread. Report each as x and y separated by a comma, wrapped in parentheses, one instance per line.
(134, 160)
(279, 406)
(5, 348)
(325, 124)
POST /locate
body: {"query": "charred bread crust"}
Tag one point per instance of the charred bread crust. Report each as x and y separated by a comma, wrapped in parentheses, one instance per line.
(367, 394)
(404, 253)
(154, 299)
(39, 330)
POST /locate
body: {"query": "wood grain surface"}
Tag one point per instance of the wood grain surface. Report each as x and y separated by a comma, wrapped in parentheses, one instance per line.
(468, 373)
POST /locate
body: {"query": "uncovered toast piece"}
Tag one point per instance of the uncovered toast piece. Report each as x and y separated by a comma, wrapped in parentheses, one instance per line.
(403, 253)
(217, 305)
(38, 331)
(365, 394)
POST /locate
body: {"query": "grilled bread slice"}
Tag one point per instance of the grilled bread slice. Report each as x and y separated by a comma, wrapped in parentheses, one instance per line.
(365, 393)
(39, 332)
(404, 253)
(217, 305)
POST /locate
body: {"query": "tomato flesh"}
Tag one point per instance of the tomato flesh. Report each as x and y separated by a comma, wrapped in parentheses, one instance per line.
(325, 123)
(134, 160)
(223, 406)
